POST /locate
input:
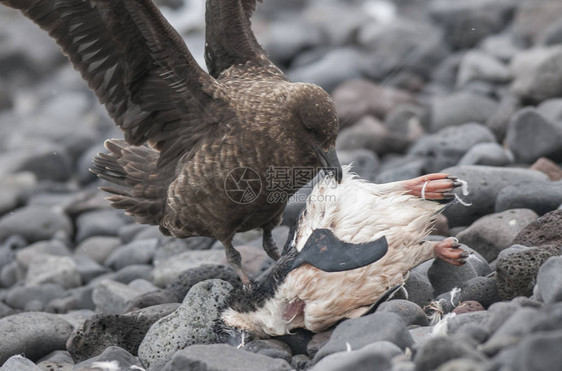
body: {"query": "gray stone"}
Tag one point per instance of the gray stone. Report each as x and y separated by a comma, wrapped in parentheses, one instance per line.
(126, 331)
(98, 247)
(333, 68)
(136, 252)
(34, 223)
(457, 322)
(366, 330)
(191, 323)
(88, 268)
(541, 196)
(113, 297)
(369, 133)
(549, 280)
(438, 350)
(419, 289)
(502, 46)
(551, 109)
(24, 256)
(472, 333)
(357, 98)
(19, 363)
(402, 168)
(114, 357)
(375, 356)
(444, 276)
(168, 270)
(421, 334)
(531, 19)
(460, 108)
(484, 183)
(47, 161)
(538, 74)
(411, 313)
(204, 357)
(132, 272)
(100, 223)
(465, 24)
(498, 313)
(544, 231)
(364, 163)
(446, 147)
(540, 352)
(489, 154)
(494, 232)
(301, 362)
(59, 360)
(462, 364)
(481, 289)
(33, 333)
(271, 348)
(516, 273)
(60, 270)
(19, 296)
(531, 136)
(480, 66)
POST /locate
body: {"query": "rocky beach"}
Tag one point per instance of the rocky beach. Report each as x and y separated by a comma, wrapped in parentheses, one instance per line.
(472, 89)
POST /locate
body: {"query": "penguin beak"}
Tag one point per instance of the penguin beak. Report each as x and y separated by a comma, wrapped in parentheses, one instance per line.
(329, 161)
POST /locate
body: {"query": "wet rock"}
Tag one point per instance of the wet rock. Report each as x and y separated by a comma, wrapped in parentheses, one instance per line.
(113, 357)
(34, 223)
(460, 108)
(205, 358)
(484, 182)
(531, 136)
(516, 273)
(438, 350)
(411, 313)
(549, 280)
(446, 147)
(543, 231)
(548, 167)
(136, 252)
(375, 100)
(541, 196)
(33, 333)
(126, 331)
(488, 154)
(191, 323)
(271, 348)
(376, 356)
(537, 73)
(494, 232)
(365, 330)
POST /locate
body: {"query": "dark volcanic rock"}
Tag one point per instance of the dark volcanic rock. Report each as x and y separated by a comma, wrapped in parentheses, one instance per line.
(446, 147)
(495, 232)
(444, 276)
(271, 348)
(411, 313)
(100, 223)
(34, 223)
(126, 331)
(487, 154)
(135, 252)
(191, 323)
(481, 289)
(543, 231)
(185, 281)
(517, 272)
(35, 334)
(365, 330)
(541, 196)
(222, 357)
(484, 183)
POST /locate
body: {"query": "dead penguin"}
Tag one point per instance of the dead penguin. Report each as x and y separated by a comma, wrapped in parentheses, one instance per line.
(354, 241)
